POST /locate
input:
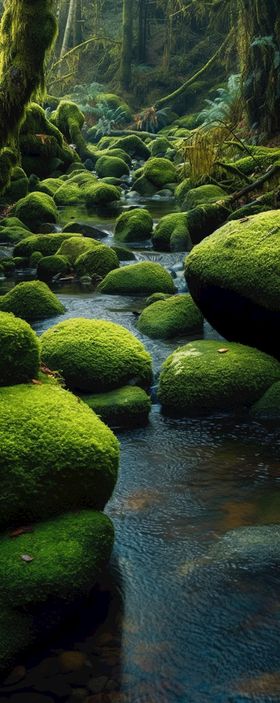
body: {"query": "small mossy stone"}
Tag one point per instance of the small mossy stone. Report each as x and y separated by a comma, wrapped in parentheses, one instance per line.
(159, 146)
(20, 357)
(97, 262)
(31, 300)
(123, 253)
(35, 209)
(95, 355)
(155, 297)
(76, 245)
(170, 318)
(128, 406)
(46, 244)
(111, 166)
(134, 226)
(138, 279)
(69, 194)
(234, 277)
(133, 145)
(50, 266)
(268, 406)
(55, 455)
(35, 258)
(85, 228)
(13, 222)
(12, 235)
(170, 227)
(101, 194)
(50, 185)
(202, 195)
(160, 171)
(143, 186)
(67, 553)
(202, 376)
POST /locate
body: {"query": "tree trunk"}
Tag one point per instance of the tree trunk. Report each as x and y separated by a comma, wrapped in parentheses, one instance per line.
(69, 27)
(126, 57)
(260, 63)
(142, 31)
(27, 31)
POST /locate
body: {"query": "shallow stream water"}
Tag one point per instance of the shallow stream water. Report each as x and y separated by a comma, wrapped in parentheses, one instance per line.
(169, 629)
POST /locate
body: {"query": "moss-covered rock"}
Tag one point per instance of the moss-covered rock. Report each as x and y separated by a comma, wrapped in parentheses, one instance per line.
(128, 406)
(68, 554)
(50, 186)
(13, 222)
(75, 246)
(18, 187)
(85, 228)
(159, 146)
(155, 297)
(160, 171)
(95, 355)
(138, 279)
(111, 166)
(55, 455)
(97, 262)
(69, 193)
(170, 318)
(133, 145)
(69, 119)
(172, 233)
(19, 358)
(47, 244)
(35, 258)
(182, 190)
(268, 406)
(234, 277)
(101, 195)
(35, 209)
(31, 300)
(144, 187)
(50, 266)
(123, 253)
(134, 226)
(202, 376)
(205, 219)
(203, 195)
(12, 235)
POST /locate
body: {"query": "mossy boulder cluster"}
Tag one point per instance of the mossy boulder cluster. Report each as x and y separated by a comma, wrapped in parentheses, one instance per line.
(234, 277)
(58, 467)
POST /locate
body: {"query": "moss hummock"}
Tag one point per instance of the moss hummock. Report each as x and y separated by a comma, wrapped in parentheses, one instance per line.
(19, 357)
(172, 233)
(160, 171)
(138, 279)
(203, 195)
(128, 406)
(132, 144)
(168, 318)
(95, 355)
(268, 406)
(234, 277)
(50, 266)
(97, 262)
(31, 300)
(68, 553)
(36, 209)
(76, 245)
(202, 376)
(55, 455)
(111, 166)
(46, 244)
(134, 226)
(101, 195)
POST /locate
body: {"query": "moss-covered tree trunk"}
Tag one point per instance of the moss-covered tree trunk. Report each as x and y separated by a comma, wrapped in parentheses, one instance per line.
(26, 33)
(260, 63)
(127, 40)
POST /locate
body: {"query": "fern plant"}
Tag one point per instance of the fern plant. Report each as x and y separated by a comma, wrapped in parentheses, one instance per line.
(108, 118)
(226, 106)
(85, 96)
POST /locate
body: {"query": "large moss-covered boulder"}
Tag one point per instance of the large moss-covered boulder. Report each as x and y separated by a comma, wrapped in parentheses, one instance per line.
(160, 171)
(208, 375)
(46, 244)
(95, 355)
(31, 300)
(50, 266)
(55, 455)
(111, 166)
(134, 226)
(67, 553)
(171, 317)
(36, 209)
(97, 262)
(128, 406)
(172, 233)
(202, 195)
(19, 355)
(268, 406)
(138, 279)
(234, 277)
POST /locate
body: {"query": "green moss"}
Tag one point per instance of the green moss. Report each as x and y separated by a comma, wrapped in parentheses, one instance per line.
(138, 279)
(68, 194)
(172, 317)
(134, 225)
(182, 190)
(18, 187)
(268, 406)
(95, 355)
(242, 256)
(132, 144)
(101, 194)
(111, 166)
(8, 266)
(123, 254)
(120, 153)
(143, 186)
(8, 161)
(35, 258)
(31, 300)
(68, 555)
(69, 119)
(160, 171)
(174, 225)
(75, 246)
(19, 359)
(50, 266)
(205, 219)
(125, 407)
(155, 297)
(159, 146)
(202, 195)
(12, 235)
(21, 262)
(198, 377)
(55, 455)
(35, 209)
(14, 222)
(47, 244)
(16, 635)
(50, 186)
(97, 262)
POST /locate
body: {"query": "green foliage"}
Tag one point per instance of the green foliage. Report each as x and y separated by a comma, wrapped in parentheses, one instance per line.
(226, 106)
(108, 118)
(31, 300)
(19, 360)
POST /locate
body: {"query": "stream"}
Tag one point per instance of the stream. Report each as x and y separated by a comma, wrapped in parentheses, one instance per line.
(160, 629)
